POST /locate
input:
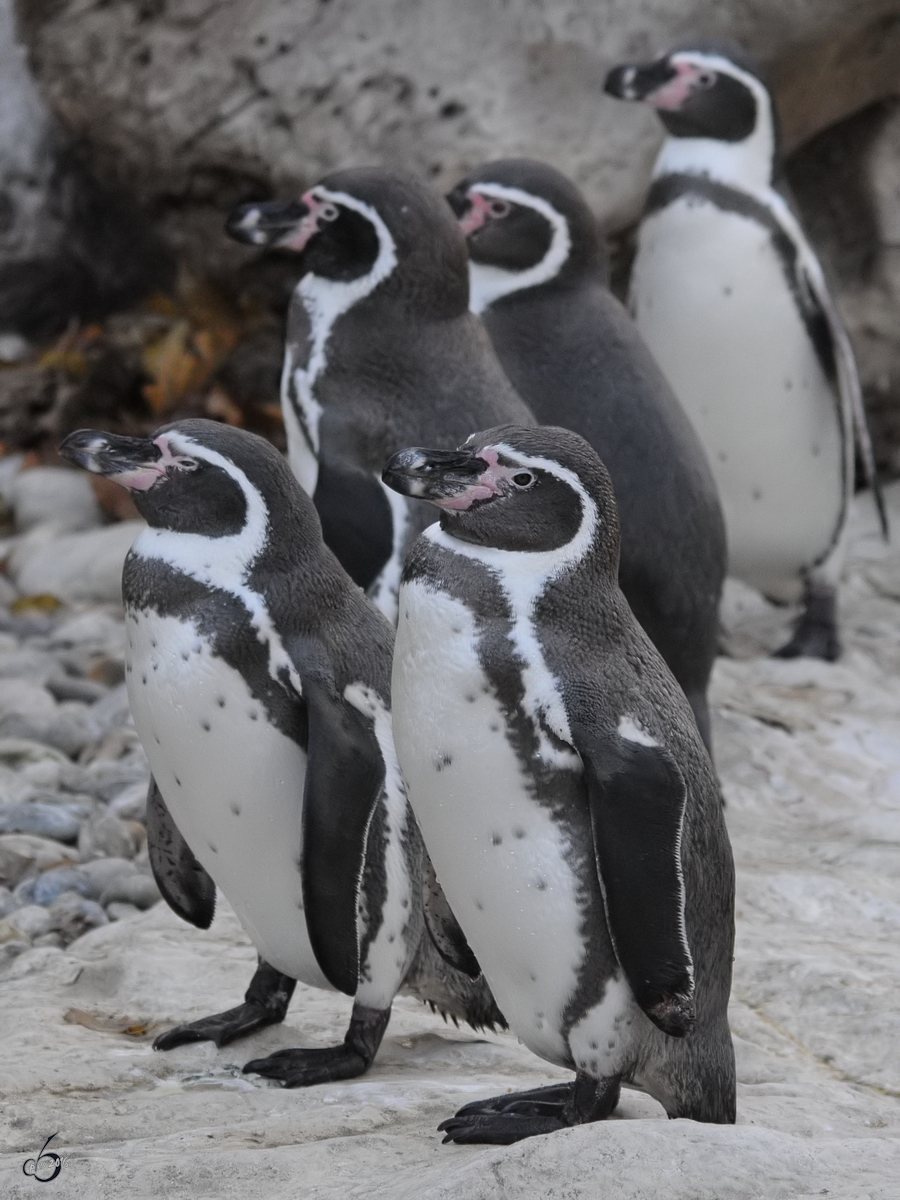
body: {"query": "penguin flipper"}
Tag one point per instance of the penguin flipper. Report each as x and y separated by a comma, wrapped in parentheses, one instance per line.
(344, 779)
(444, 929)
(637, 800)
(185, 885)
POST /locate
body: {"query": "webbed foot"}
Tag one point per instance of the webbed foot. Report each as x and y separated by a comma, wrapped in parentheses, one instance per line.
(265, 1003)
(815, 634)
(502, 1120)
(303, 1068)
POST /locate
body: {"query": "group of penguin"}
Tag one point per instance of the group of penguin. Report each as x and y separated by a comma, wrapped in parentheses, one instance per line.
(506, 809)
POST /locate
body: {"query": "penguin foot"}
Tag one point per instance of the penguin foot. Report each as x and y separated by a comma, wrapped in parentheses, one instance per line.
(502, 1120)
(303, 1068)
(265, 1003)
(815, 634)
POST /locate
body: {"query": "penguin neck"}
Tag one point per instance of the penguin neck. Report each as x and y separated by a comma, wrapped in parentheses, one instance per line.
(748, 165)
(488, 283)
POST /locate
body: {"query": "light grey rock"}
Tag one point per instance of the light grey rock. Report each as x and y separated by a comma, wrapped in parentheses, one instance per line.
(22, 698)
(72, 915)
(63, 686)
(51, 884)
(31, 920)
(39, 853)
(105, 778)
(27, 663)
(76, 567)
(102, 872)
(7, 902)
(106, 836)
(10, 949)
(53, 939)
(131, 804)
(139, 890)
(54, 496)
(8, 594)
(118, 910)
(22, 753)
(46, 820)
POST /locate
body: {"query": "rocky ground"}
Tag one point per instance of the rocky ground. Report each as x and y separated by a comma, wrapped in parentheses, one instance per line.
(91, 968)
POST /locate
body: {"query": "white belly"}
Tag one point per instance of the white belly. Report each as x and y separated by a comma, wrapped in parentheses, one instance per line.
(232, 782)
(498, 854)
(711, 300)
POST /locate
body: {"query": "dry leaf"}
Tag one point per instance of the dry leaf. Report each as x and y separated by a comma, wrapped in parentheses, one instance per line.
(44, 603)
(125, 1025)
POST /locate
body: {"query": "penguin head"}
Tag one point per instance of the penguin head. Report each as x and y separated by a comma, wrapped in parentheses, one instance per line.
(706, 91)
(369, 228)
(198, 477)
(526, 225)
(518, 490)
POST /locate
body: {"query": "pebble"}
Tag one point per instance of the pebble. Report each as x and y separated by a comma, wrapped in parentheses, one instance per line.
(75, 567)
(102, 871)
(139, 890)
(106, 837)
(131, 804)
(46, 820)
(7, 902)
(30, 921)
(118, 910)
(51, 884)
(72, 915)
(38, 852)
(54, 495)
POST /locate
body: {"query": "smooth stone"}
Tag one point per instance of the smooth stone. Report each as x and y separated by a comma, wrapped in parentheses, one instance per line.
(72, 915)
(105, 778)
(139, 890)
(102, 871)
(51, 884)
(13, 866)
(45, 820)
(42, 774)
(39, 853)
(106, 837)
(17, 752)
(31, 920)
(95, 631)
(76, 567)
(131, 804)
(51, 939)
(22, 698)
(10, 949)
(7, 901)
(8, 594)
(118, 910)
(28, 664)
(15, 786)
(54, 495)
(62, 686)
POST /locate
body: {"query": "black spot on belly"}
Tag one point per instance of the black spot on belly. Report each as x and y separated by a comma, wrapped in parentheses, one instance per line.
(594, 1046)
(493, 727)
(156, 739)
(300, 905)
(236, 809)
(404, 903)
(153, 643)
(156, 666)
(185, 656)
(214, 849)
(479, 906)
(254, 715)
(726, 291)
(177, 780)
(442, 761)
(518, 832)
(220, 700)
(757, 494)
(470, 699)
(611, 1044)
(541, 885)
(144, 678)
(722, 456)
(205, 725)
(391, 937)
(496, 839)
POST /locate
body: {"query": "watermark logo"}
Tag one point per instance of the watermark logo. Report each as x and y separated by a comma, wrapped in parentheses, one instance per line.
(46, 1166)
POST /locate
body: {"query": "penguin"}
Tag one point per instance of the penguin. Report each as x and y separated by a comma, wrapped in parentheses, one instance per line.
(561, 786)
(538, 278)
(381, 351)
(259, 681)
(731, 299)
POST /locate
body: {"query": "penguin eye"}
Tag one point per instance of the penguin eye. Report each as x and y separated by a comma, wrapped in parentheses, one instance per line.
(524, 480)
(329, 212)
(705, 79)
(499, 208)
(185, 463)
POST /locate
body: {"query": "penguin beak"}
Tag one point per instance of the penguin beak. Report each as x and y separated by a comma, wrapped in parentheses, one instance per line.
(639, 81)
(448, 478)
(136, 463)
(285, 224)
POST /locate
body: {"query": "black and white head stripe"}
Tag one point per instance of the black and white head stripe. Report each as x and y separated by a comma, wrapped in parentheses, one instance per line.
(488, 282)
(718, 113)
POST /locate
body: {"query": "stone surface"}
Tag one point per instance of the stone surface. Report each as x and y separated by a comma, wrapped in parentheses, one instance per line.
(74, 567)
(809, 754)
(50, 495)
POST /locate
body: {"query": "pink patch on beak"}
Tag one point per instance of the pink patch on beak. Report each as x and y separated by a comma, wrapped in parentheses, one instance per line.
(483, 489)
(308, 227)
(478, 214)
(141, 479)
(673, 94)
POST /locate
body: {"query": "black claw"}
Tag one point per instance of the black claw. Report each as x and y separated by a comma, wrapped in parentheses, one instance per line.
(497, 1129)
(555, 1094)
(220, 1029)
(303, 1068)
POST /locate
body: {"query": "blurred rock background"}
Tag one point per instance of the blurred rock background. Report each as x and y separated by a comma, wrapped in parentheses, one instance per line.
(128, 130)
